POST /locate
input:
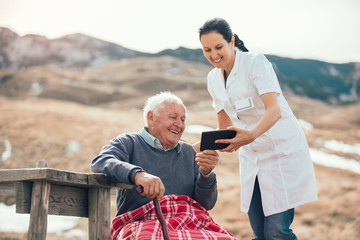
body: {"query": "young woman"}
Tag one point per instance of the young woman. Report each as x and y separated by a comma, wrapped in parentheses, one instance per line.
(276, 170)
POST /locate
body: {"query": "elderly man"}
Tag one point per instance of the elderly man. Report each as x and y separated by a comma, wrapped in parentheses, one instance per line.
(168, 169)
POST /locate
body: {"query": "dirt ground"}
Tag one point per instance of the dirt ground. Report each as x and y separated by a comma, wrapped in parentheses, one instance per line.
(41, 129)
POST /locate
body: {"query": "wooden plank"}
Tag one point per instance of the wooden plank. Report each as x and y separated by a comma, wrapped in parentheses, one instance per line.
(7, 188)
(63, 200)
(99, 213)
(38, 174)
(39, 210)
(102, 180)
(22, 174)
(7, 193)
(68, 201)
(23, 196)
(60, 176)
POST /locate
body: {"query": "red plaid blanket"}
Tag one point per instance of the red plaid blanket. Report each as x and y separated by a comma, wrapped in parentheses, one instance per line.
(186, 219)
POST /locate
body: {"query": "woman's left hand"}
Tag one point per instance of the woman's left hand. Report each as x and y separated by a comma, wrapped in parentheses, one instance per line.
(243, 137)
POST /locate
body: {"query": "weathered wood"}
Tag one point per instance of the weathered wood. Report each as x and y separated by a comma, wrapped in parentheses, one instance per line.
(46, 174)
(43, 191)
(99, 213)
(23, 196)
(7, 193)
(60, 176)
(102, 180)
(63, 200)
(7, 188)
(39, 210)
(68, 201)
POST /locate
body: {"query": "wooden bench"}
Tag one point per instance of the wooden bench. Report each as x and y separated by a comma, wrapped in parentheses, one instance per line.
(41, 191)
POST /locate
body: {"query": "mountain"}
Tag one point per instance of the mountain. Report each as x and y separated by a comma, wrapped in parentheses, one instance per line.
(329, 82)
(195, 55)
(75, 50)
(115, 83)
(332, 83)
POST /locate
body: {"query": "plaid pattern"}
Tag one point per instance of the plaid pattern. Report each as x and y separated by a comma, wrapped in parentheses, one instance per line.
(186, 219)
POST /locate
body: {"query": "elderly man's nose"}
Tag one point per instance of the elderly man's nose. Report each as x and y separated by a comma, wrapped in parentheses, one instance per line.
(179, 123)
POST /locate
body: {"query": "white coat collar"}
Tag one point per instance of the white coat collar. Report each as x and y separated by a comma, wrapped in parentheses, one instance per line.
(235, 68)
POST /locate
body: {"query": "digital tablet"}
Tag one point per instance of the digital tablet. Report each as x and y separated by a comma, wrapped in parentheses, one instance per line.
(208, 139)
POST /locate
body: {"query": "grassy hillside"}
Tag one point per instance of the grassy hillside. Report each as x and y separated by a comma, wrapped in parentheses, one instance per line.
(48, 130)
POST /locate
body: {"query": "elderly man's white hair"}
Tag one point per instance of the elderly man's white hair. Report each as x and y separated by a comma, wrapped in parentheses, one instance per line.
(154, 103)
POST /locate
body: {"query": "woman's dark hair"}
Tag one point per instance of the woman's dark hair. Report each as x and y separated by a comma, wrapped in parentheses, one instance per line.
(222, 27)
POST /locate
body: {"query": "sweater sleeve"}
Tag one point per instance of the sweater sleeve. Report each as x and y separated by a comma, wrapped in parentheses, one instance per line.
(206, 191)
(114, 160)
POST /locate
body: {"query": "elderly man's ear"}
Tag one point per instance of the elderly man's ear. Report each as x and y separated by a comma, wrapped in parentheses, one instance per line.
(150, 117)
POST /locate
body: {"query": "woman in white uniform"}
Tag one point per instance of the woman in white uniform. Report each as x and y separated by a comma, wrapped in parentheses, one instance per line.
(276, 170)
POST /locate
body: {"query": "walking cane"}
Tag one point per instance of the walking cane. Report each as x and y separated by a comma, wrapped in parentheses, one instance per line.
(159, 214)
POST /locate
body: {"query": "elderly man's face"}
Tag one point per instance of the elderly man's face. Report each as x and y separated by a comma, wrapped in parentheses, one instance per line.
(168, 125)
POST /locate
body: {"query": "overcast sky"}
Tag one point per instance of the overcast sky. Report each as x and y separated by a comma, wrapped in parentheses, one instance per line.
(327, 30)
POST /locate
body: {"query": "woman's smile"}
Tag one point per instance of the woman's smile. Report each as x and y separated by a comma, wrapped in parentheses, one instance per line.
(217, 60)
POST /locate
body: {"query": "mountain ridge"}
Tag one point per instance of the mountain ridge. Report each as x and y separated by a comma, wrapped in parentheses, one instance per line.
(336, 84)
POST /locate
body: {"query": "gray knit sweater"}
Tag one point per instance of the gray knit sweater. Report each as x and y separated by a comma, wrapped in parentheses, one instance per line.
(178, 171)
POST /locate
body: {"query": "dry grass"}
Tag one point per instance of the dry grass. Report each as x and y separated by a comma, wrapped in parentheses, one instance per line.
(40, 129)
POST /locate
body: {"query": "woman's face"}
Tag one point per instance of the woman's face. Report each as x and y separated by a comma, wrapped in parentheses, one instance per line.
(218, 51)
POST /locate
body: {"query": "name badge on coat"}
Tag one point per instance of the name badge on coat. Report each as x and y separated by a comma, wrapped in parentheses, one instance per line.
(244, 104)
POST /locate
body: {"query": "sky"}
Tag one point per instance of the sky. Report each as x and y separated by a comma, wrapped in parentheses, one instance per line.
(325, 30)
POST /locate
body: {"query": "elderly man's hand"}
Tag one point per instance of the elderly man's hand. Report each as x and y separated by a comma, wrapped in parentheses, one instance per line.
(152, 185)
(207, 160)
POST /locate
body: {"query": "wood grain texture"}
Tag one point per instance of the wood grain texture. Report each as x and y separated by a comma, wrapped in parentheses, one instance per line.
(41, 191)
(61, 177)
(99, 213)
(39, 210)
(23, 196)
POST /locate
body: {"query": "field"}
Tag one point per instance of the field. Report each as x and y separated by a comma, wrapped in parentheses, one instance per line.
(68, 135)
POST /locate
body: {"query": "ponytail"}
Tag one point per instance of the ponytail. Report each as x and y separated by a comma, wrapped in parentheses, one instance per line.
(240, 44)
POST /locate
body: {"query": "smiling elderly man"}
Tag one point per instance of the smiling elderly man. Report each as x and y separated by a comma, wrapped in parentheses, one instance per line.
(168, 169)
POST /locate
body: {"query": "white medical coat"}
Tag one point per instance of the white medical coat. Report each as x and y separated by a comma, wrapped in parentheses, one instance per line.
(280, 157)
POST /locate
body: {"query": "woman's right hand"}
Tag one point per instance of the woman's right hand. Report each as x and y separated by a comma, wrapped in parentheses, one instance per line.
(243, 137)
(152, 185)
